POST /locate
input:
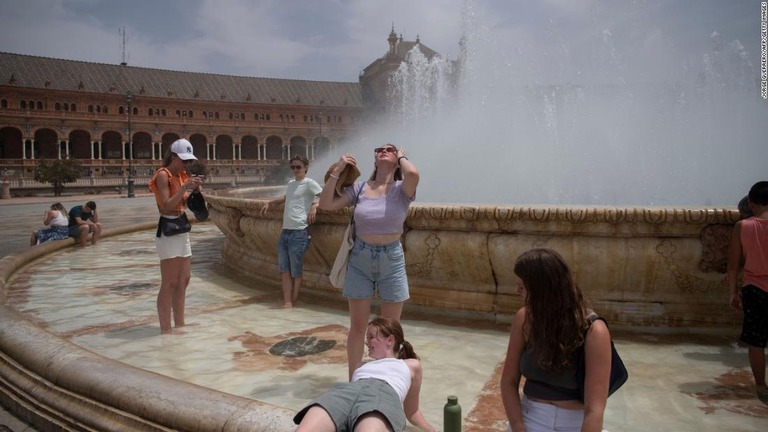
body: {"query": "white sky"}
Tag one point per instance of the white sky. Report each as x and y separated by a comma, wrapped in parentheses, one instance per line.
(335, 39)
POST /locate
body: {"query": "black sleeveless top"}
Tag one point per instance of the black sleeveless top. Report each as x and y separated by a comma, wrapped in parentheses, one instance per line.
(541, 384)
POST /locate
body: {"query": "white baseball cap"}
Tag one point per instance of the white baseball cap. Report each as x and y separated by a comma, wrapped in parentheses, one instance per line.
(183, 149)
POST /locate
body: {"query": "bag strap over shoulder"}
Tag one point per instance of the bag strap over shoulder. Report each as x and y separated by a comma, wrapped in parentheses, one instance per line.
(357, 195)
(594, 317)
(618, 374)
(357, 198)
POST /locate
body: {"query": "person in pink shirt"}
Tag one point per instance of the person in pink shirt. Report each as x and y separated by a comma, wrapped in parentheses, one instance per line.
(749, 245)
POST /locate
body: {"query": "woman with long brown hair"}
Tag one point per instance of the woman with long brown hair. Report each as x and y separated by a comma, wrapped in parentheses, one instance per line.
(546, 334)
(171, 186)
(58, 226)
(382, 393)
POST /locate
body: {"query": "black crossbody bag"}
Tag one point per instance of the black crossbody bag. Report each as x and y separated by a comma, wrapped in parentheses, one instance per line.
(172, 227)
(619, 374)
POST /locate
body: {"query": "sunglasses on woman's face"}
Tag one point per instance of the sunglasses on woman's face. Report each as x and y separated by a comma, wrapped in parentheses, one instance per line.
(378, 150)
(296, 167)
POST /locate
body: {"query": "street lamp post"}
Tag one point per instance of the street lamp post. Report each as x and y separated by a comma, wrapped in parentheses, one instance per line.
(320, 144)
(129, 100)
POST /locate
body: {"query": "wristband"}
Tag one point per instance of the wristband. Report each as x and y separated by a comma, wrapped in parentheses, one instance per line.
(401, 157)
(334, 176)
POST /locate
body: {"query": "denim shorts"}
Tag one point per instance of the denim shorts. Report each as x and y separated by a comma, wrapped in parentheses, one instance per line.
(291, 247)
(373, 267)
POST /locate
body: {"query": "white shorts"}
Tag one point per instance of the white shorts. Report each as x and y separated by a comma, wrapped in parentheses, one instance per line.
(542, 417)
(173, 247)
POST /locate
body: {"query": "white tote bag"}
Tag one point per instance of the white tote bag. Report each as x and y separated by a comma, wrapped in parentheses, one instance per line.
(339, 270)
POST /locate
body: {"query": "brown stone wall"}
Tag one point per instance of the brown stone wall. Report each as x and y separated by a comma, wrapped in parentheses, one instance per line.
(639, 267)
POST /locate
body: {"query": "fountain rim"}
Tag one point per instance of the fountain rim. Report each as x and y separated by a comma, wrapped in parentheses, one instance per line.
(56, 383)
(652, 215)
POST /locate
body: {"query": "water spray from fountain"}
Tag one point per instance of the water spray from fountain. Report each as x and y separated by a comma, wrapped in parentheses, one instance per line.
(602, 110)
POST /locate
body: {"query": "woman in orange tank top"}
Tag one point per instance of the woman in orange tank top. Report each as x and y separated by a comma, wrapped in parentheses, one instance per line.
(171, 185)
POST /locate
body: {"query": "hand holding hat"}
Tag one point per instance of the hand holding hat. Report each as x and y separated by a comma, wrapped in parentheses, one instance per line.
(346, 177)
(195, 200)
(196, 203)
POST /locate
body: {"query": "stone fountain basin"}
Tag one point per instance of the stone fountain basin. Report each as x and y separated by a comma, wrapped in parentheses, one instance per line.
(638, 266)
(649, 267)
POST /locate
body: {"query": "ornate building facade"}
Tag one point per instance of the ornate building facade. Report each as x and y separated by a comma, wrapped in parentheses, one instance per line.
(375, 79)
(118, 119)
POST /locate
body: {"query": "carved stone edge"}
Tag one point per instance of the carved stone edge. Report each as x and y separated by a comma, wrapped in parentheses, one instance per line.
(55, 385)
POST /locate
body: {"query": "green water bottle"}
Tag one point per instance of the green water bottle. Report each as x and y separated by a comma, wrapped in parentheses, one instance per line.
(452, 415)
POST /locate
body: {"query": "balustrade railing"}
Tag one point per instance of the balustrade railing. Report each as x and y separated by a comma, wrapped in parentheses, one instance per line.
(28, 183)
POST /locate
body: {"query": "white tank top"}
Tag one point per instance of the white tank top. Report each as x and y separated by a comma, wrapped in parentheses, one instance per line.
(391, 370)
(60, 219)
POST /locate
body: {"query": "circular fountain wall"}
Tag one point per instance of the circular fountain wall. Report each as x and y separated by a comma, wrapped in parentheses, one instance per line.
(638, 266)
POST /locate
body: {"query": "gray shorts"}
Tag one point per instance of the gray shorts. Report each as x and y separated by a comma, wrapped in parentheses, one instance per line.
(74, 230)
(347, 402)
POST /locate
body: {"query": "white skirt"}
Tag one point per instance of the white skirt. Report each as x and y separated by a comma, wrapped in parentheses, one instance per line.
(173, 247)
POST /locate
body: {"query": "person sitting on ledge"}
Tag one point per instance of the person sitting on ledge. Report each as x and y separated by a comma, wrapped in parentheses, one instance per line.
(84, 220)
(382, 393)
(57, 223)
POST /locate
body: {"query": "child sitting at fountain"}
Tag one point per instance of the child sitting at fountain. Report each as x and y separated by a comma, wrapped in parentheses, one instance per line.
(749, 245)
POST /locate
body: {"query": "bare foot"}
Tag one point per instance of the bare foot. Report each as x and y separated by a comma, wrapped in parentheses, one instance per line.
(188, 325)
(295, 293)
(287, 305)
(762, 393)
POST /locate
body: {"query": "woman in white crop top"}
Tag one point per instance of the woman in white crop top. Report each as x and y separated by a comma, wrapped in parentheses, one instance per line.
(382, 394)
(377, 260)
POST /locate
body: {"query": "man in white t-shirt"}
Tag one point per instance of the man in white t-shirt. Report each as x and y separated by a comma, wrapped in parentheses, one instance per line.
(300, 208)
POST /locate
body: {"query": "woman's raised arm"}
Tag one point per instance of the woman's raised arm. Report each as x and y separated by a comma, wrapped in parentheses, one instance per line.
(328, 199)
